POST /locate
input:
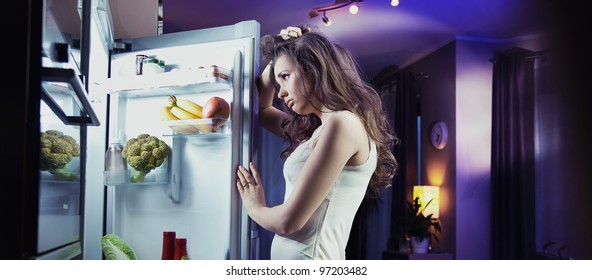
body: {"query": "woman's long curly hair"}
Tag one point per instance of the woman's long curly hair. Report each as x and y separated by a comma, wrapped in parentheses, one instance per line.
(338, 85)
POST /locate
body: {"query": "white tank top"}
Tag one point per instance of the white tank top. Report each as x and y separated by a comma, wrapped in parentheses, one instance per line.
(325, 235)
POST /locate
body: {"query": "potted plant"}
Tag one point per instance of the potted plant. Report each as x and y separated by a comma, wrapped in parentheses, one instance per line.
(418, 227)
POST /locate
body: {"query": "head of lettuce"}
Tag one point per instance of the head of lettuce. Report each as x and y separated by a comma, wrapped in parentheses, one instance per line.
(116, 248)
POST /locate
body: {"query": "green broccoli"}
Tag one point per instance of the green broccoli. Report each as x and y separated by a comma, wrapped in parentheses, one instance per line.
(144, 153)
(57, 150)
(116, 248)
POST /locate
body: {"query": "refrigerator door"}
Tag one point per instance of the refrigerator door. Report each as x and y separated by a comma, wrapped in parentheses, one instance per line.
(64, 115)
(44, 202)
(193, 191)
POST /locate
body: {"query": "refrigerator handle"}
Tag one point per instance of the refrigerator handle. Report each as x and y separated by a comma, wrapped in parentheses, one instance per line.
(174, 189)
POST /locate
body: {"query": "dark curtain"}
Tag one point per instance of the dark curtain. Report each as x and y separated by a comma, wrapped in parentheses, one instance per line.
(400, 100)
(512, 155)
(404, 118)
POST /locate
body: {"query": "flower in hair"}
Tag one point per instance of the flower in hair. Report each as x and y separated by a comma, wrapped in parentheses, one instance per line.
(290, 32)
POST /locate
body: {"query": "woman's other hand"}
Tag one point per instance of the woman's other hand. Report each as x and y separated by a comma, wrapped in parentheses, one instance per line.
(270, 118)
(266, 88)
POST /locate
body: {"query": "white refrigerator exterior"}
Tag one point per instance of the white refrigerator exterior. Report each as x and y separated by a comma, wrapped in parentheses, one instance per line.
(193, 193)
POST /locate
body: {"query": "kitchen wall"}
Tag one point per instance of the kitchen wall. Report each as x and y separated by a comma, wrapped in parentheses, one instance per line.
(473, 109)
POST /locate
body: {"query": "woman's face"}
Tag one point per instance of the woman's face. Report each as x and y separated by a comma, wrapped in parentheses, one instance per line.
(292, 90)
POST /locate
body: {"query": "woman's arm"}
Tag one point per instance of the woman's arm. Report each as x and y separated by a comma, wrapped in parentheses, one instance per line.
(338, 142)
(270, 117)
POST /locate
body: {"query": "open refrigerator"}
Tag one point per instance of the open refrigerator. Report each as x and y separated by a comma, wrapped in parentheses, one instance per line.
(78, 80)
(193, 191)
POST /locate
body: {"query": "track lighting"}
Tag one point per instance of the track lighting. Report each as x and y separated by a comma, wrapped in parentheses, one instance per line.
(338, 4)
(353, 9)
(326, 20)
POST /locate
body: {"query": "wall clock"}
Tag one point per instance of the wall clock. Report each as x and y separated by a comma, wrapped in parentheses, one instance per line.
(439, 135)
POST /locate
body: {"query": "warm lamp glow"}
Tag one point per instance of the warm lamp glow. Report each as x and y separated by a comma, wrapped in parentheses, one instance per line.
(425, 194)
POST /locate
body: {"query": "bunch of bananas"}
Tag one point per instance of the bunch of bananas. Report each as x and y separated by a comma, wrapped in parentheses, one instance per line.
(181, 109)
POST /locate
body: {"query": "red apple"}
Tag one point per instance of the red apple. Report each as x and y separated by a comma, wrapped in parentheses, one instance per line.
(216, 107)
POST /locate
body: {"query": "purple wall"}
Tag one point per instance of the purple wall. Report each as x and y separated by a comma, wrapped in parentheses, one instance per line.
(473, 153)
(438, 166)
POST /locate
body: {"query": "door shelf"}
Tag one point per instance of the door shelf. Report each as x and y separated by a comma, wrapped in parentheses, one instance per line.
(168, 83)
(158, 176)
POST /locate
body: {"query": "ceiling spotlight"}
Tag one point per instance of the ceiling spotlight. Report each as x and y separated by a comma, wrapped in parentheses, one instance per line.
(326, 20)
(314, 12)
(394, 3)
(353, 9)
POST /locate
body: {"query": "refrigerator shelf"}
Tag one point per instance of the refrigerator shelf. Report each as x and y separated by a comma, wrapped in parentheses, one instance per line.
(48, 179)
(47, 176)
(201, 127)
(72, 174)
(168, 83)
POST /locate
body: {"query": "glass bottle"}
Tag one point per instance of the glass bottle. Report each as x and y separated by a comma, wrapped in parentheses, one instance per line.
(140, 63)
(168, 245)
(115, 164)
(181, 249)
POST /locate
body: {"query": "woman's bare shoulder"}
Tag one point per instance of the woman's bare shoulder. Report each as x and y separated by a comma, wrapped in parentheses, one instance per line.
(344, 124)
(345, 119)
(344, 132)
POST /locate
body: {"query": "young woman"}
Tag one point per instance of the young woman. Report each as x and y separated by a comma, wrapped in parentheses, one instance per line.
(339, 145)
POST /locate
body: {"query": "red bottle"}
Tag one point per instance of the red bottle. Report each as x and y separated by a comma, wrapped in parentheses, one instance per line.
(168, 245)
(181, 249)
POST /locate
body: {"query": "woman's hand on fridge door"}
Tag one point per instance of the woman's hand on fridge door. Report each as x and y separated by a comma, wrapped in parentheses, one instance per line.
(250, 188)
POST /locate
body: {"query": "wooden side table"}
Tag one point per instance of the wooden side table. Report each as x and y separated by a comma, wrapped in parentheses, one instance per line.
(395, 255)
